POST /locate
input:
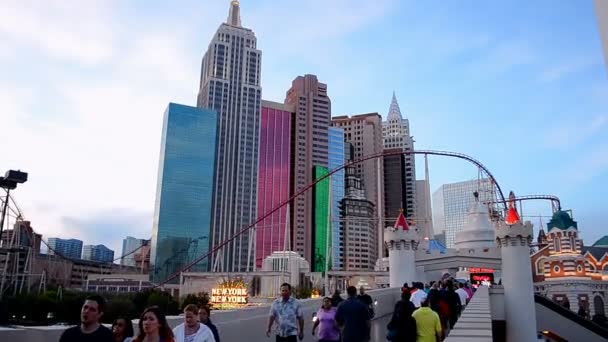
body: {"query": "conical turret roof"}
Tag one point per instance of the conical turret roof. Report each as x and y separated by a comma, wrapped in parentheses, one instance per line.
(401, 222)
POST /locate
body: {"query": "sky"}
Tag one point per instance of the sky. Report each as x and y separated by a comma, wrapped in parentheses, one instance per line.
(519, 85)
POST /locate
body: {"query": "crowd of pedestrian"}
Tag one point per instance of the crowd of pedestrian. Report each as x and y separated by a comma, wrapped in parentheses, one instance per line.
(426, 312)
(153, 326)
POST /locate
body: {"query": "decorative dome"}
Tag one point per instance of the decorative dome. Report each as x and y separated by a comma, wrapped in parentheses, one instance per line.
(561, 220)
(477, 231)
(478, 217)
(603, 242)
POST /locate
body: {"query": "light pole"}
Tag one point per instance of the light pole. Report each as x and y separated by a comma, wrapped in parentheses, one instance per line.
(9, 182)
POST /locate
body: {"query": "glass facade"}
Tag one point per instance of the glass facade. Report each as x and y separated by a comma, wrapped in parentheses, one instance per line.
(336, 159)
(451, 202)
(182, 212)
(273, 181)
(394, 187)
(320, 231)
(129, 245)
(99, 253)
(69, 248)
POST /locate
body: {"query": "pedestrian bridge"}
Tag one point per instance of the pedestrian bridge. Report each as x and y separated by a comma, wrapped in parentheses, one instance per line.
(482, 321)
(234, 325)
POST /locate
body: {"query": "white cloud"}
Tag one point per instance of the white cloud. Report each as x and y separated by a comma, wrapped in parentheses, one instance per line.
(82, 34)
(504, 56)
(105, 154)
(559, 71)
(573, 132)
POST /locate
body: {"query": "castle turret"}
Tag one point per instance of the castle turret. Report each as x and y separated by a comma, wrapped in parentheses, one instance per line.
(402, 242)
(514, 239)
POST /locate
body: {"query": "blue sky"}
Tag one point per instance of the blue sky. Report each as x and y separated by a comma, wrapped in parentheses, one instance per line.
(519, 85)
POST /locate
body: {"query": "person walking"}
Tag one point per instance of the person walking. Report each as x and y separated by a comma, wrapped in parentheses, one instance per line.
(122, 329)
(286, 311)
(405, 301)
(434, 297)
(462, 293)
(353, 317)
(367, 300)
(402, 327)
(89, 330)
(467, 288)
(428, 326)
(326, 322)
(418, 295)
(153, 327)
(336, 299)
(453, 301)
(192, 330)
(204, 316)
(405, 288)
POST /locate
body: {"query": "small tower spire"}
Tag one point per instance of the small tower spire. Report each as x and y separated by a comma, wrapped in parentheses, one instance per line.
(394, 112)
(234, 17)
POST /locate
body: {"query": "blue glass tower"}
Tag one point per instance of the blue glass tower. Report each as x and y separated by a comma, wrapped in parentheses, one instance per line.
(69, 248)
(99, 253)
(182, 212)
(336, 159)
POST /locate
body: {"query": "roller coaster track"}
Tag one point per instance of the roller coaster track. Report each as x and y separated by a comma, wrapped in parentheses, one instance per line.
(216, 248)
(555, 201)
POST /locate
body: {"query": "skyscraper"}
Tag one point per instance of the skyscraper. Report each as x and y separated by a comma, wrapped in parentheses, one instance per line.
(182, 212)
(358, 225)
(99, 253)
(129, 244)
(451, 202)
(336, 159)
(309, 148)
(364, 132)
(396, 135)
(230, 85)
(601, 11)
(69, 248)
(274, 179)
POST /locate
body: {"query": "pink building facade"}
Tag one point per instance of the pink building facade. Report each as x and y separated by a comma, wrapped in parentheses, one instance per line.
(274, 179)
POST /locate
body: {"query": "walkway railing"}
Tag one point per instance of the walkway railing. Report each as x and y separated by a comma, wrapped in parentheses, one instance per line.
(475, 322)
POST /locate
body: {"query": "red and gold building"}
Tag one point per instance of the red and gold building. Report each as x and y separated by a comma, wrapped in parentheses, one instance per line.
(563, 268)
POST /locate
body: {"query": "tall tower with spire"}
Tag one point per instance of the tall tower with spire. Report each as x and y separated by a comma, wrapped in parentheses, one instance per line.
(396, 135)
(230, 85)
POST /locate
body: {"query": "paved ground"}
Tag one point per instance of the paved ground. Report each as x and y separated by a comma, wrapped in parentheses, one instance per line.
(250, 330)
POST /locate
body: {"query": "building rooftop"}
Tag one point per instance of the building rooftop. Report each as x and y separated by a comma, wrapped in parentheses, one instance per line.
(602, 242)
(597, 252)
(561, 220)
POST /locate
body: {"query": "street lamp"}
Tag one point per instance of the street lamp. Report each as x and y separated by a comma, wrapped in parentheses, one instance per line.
(9, 182)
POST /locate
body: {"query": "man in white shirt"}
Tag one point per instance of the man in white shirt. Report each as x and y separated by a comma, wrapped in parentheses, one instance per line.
(462, 293)
(418, 296)
(192, 330)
